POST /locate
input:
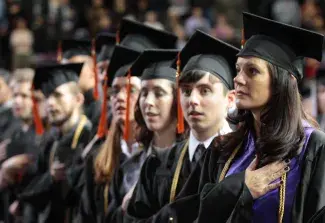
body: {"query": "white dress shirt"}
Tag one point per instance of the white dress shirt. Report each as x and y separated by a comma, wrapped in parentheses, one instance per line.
(193, 142)
(125, 149)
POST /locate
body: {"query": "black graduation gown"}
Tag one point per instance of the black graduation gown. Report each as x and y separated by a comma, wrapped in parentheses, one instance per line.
(153, 189)
(8, 122)
(230, 200)
(92, 203)
(44, 195)
(125, 178)
(92, 110)
(22, 142)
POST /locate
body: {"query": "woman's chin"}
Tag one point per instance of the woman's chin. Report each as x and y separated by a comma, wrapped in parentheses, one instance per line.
(241, 105)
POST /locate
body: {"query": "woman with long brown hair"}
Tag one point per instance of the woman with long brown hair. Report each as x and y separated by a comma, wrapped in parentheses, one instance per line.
(155, 113)
(99, 169)
(271, 168)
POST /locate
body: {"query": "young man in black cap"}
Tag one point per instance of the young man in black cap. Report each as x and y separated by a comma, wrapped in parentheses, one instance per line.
(206, 66)
(71, 133)
(79, 51)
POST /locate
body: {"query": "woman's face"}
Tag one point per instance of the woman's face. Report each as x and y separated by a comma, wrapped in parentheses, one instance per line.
(119, 97)
(156, 103)
(252, 83)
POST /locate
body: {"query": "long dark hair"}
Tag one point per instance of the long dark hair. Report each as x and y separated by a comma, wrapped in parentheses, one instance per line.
(107, 160)
(144, 135)
(281, 131)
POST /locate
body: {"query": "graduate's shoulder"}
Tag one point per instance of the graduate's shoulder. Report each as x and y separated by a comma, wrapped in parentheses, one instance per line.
(171, 153)
(316, 144)
(165, 159)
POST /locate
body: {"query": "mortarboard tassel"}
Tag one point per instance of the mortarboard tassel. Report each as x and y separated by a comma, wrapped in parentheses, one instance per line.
(180, 119)
(37, 118)
(127, 115)
(102, 127)
(59, 52)
(118, 40)
(93, 54)
(243, 41)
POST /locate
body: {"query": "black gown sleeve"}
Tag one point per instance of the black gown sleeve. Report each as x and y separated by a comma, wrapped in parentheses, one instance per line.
(150, 200)
(227, 201)
(310, 200)
(87, 205)
(115, 199)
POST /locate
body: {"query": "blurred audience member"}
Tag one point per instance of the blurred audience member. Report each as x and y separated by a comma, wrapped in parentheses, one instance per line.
(223, 30)
(66, 19)
(179, 7)
(320, 78)
(208, 8)
(152, 20)
(180, 33)
(95, 13)
(104, 24)
(309, 11)
(21, 42)
(286, 11)
(196, 21)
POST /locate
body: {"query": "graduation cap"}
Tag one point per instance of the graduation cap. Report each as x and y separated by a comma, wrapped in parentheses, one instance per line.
(48, 78)
(121, 61)
(105, 43)
(154, 64)
(137, 36)
(69, 48)
(203, 52)
(279, 43)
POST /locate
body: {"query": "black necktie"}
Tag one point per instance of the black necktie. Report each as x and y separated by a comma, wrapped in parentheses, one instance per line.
(198, 153)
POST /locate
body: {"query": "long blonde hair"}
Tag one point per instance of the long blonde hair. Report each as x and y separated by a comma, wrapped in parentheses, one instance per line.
(108, 158)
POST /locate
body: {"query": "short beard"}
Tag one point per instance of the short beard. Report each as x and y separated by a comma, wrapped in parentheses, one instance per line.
(59, 123)
(27, 119)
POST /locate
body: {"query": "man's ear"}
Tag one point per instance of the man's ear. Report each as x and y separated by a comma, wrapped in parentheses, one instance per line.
(80, 99)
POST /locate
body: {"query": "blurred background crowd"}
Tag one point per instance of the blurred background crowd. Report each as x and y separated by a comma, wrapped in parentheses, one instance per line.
(29, 29)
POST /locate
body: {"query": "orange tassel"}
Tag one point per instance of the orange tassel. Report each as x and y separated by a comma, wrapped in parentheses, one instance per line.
(243, 41)
(59, 52)
(127, 115)
(117, 37)
(37, 118)
(93, 54)
(102, 127)
(180, 118)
